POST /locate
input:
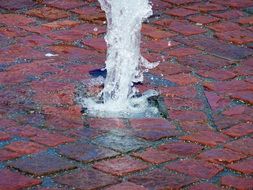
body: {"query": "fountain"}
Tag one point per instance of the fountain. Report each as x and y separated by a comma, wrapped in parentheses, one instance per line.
(124, 64)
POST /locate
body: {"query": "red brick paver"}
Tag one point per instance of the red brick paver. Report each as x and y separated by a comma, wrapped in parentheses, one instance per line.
(121, 166)
(49, 47)
(195, 168)
(42, 164)
(87, 179)
(12, 180)
(237, 182)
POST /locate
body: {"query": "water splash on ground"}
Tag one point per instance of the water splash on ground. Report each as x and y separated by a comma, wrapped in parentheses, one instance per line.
(124, 65)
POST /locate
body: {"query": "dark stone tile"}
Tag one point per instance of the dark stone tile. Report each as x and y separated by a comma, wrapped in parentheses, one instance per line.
(86, 152)
(42, 164)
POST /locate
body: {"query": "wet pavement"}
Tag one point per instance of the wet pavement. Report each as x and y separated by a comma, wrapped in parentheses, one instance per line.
(49, 47)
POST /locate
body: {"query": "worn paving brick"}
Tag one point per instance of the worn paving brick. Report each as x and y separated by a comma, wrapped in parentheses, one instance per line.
(35, 40)
(96, 43)
(181, 103)
(245, 96)
(87, 179)
(4, 136)
(206, 7)
(8, 155)
(120, 142)
(235, 3)
(183, 79)
(246, 20)
(180, 12)
(226, 122)
(73, 53)
(203, 19)
(23, 147)
(50, 139)
(242, 145)
(65, 4)
(153, 135)
(239, 130)
(229, 86)
(155, 156)
(245, 166)
(201, 186)
(61, 24)
(86, 152)
(153, 129)
(126, 186)
(48, 188)
(194, 126)
(185, 28)
(12, 32)
(48, 13)
(236, 36)
(67, 36)
(161, 179)
(91, 14)
(243, 70)
(229, 14)
(36, 29)
(217, 75)
(156, 34)
(221, 156)
(120, 166)
(225, 27)
(84, 133)
(59, 99)
(208, 138)
(204, 62)
(92, 29)
(237, 182)
(15, 20)
(12, 180)
(17, 51)
(15, 5)
(42, 164)
(217, 48)
(105, 124)
(235, 110)
(181, 2)
(167, 69)
(181, 148)
(158, 46)
(179, 91)
(187, 115)
(195, 168)
(181, 52)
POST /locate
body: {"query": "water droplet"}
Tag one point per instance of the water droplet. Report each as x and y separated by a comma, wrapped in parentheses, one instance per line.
(95, 29)
(163, 58)
(51, 55)
(169, 43)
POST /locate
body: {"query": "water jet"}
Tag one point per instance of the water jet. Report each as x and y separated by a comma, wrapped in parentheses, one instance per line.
(124, 64)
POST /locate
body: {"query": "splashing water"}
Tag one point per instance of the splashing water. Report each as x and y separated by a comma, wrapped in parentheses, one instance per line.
(124, 63)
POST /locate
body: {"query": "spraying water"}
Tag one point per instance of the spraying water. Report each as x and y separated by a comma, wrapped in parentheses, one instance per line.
(124, 63)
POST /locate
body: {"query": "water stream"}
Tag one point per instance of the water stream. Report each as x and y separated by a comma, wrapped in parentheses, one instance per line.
(124, 64)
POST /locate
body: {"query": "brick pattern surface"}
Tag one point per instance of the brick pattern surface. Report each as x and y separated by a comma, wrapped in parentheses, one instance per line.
(48, 47)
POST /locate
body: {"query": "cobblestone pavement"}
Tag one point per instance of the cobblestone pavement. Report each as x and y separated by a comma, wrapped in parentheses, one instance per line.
(47, 47)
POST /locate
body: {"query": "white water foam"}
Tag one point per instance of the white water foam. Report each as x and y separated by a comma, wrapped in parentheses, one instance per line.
(124, 63)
